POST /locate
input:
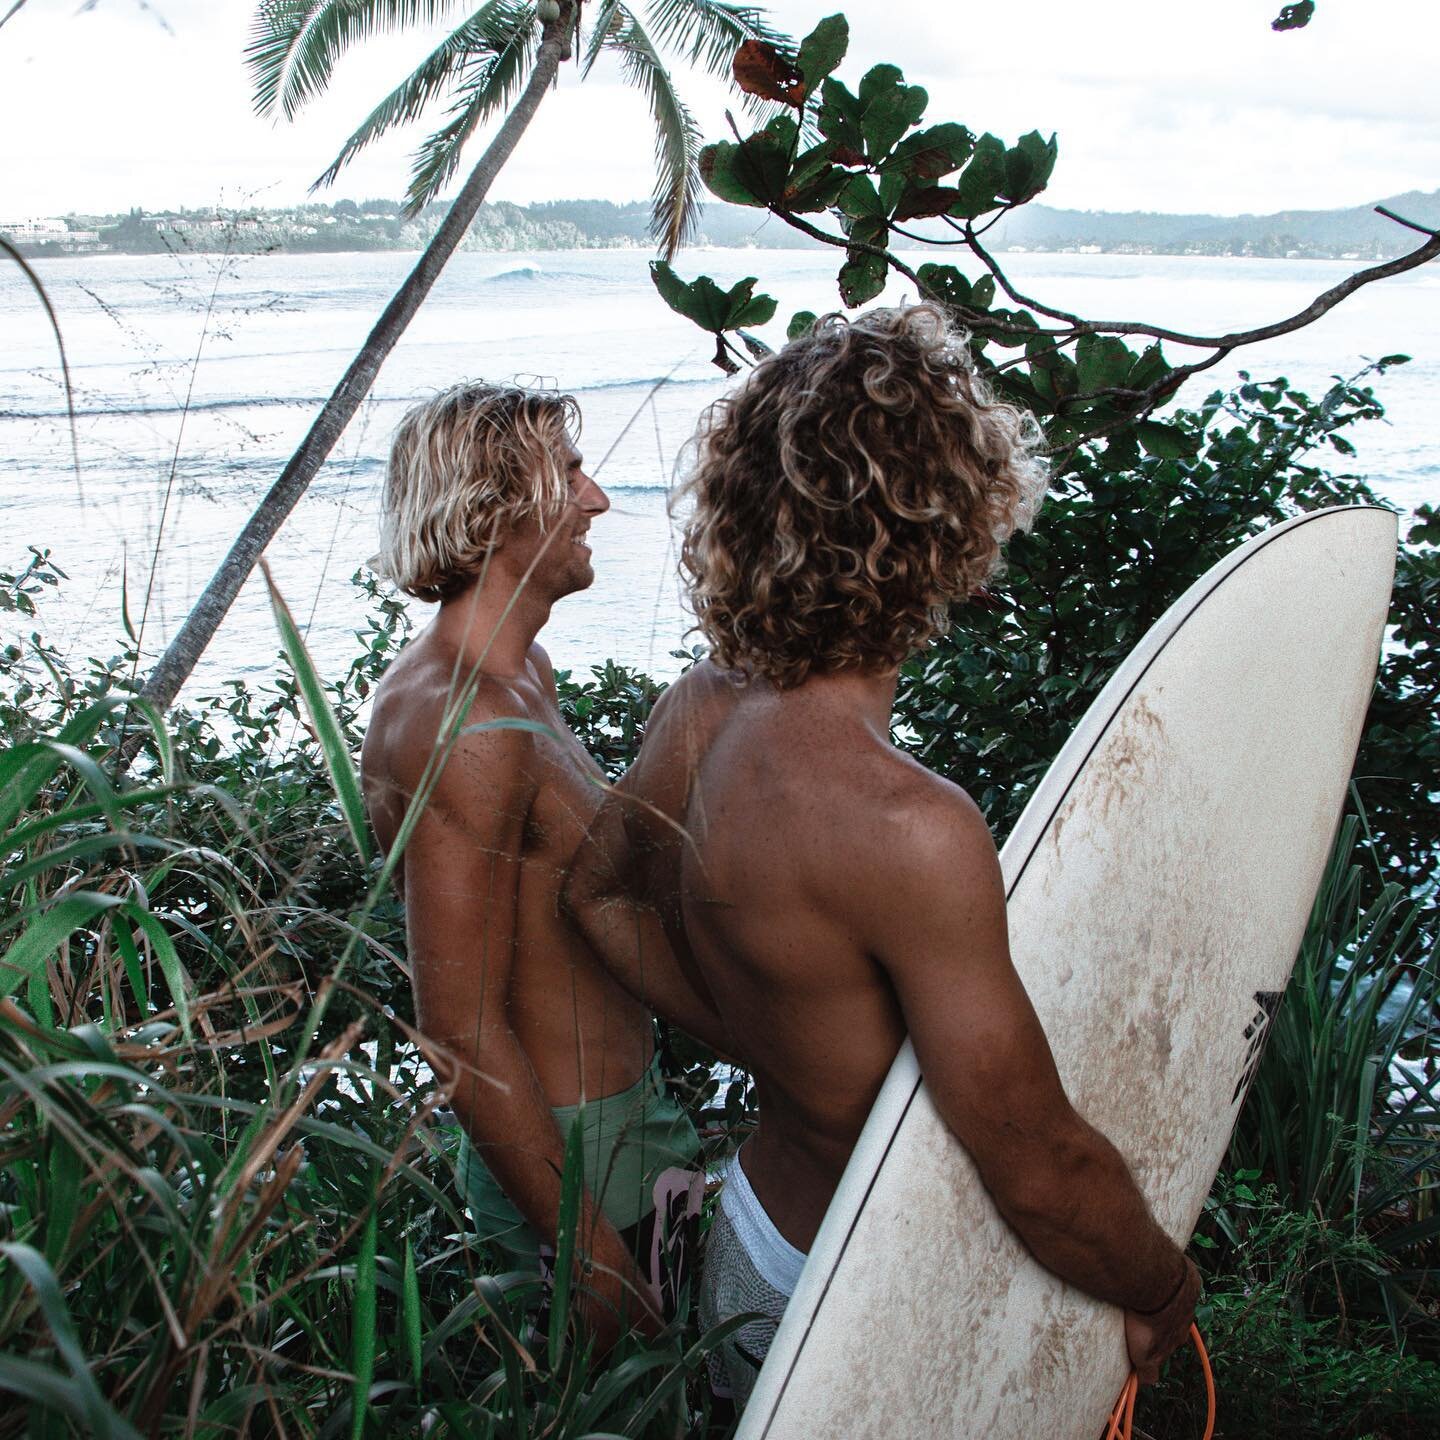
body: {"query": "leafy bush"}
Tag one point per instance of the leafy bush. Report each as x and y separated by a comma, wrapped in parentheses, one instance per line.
(226, 1203)
(1286, 1366)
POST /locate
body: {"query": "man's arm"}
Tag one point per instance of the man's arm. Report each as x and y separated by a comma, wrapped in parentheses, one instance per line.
(939, 930)
(461, 891)
(611, 901)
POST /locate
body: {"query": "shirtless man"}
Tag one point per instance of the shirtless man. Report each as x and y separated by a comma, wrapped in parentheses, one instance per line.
(486, 510)
(822, 889)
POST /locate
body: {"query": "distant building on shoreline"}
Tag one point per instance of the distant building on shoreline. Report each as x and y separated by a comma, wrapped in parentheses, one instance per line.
(21, 233)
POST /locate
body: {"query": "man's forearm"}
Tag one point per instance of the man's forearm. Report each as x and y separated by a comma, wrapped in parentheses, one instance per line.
(604, 900)
(1077, 1208)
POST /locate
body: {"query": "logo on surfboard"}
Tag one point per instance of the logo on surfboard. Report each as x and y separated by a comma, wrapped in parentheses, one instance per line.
(1267, 1001)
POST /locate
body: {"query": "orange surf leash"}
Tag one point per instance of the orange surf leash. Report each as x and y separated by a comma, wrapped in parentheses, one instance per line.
(1122, 1417)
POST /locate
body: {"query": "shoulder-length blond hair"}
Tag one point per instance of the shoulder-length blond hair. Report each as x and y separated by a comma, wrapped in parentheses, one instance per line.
(857, 484)
(465, 468)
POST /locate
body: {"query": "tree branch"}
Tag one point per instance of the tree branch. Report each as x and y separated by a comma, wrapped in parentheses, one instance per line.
(1235, 338)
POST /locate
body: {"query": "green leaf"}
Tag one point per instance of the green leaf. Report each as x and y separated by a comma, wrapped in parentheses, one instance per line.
(982, 178)
(362, 1354)
(918, 202)
(673, 290)
(888, 108)
(338, 761)
(945, 284)
(167, 958)
(1295, 16)
(862, 277)
(47, 931)
(814, 182)
(747, 309)
(861, 200)
(1028, 166)
(801, 323)
(25, 769)
(1164, 442)
(933, 152)
(1149, 367)
(839, 122)
(710, 307)
(822, 50)
(1425, 531)
(750, 173)
(1104, 361)
(99, 1419)
(410, 1313)
(130, 958)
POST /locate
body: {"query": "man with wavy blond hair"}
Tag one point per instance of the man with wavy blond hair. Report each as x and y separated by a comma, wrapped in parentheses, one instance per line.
(818, 887)
(487, 511)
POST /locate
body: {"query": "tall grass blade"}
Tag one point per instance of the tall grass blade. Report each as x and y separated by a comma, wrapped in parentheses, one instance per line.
(363, 1354)
(100, 1419)
(62, 1194)
(169, 961)
(47, 932)
(327, 728)
(24, 769)
(410, 1313)
(572, 1185)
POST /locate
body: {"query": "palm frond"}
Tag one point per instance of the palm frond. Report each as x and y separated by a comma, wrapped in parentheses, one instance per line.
(675, 207)
(490, 85)
(437, 73)
(707, 33)
(294, 44)
(601, 24)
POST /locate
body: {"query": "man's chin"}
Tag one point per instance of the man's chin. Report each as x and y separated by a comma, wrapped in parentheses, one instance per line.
(581, 578)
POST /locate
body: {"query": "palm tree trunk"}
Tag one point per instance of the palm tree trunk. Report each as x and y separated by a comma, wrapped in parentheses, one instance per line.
(176, 664)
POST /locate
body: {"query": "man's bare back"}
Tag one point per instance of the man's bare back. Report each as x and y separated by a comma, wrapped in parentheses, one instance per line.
(781, 891)
(833, 895)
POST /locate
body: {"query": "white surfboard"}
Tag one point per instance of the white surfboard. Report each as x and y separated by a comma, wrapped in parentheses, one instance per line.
(1159, 884)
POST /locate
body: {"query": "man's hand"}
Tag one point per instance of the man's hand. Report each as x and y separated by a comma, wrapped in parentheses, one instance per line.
(1152, 1338)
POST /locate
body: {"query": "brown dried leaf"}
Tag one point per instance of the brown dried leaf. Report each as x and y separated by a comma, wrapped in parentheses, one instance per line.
(760, 69)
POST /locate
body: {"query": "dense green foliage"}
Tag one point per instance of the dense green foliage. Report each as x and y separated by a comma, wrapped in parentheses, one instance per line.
(227, 1203)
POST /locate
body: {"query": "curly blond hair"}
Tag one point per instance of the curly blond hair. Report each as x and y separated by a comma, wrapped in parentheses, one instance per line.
(856, 485)
(466, 467)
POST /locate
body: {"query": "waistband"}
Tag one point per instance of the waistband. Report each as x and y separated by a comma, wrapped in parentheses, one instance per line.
(777, 1260)
(634, 1097)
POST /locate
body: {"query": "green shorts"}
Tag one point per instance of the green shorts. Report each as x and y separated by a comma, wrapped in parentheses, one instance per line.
(631, 1140)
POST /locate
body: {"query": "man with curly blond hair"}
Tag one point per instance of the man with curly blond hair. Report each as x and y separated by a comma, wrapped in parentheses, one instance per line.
(487, 511)
(820, 889)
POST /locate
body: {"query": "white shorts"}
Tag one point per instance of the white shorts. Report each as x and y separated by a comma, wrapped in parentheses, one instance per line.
(749, 1267)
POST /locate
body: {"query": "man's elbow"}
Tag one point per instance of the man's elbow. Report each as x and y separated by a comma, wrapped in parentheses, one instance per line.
(1043, 1178)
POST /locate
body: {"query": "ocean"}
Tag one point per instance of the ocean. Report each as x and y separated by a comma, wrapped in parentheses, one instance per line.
(195, 376)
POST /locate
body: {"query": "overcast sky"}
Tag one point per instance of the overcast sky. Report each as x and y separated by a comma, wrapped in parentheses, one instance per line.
(1159, 104)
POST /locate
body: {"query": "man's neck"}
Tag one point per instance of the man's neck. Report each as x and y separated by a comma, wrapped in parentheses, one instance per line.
(867, 694)
(493, 624)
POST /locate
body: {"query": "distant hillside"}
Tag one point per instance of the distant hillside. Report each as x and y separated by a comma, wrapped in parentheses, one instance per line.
(1358, 233)
(1355, 234)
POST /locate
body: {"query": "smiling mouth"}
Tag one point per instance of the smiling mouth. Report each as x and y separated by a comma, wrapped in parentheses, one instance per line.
(581, 540)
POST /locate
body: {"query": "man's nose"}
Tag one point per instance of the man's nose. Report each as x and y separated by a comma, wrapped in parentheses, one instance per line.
(592, 499)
